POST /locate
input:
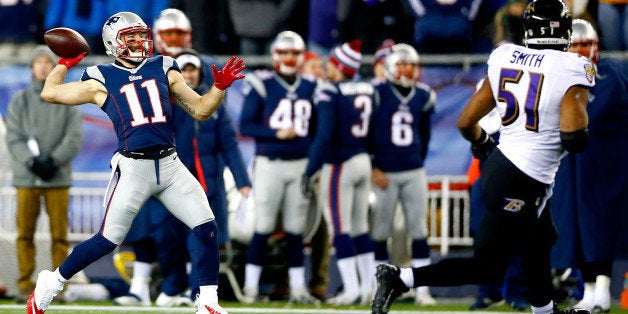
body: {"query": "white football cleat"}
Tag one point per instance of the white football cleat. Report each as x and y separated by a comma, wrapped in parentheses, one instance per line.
(131, 300)
(344, 298)
(303, 296)
(425, 299)
(250, 295)
(39, 300)
(213, 308)
(164, 300)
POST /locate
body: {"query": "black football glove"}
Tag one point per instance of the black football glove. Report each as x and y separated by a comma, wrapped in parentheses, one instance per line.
(43, 167)
(306, 186)
(482, 147)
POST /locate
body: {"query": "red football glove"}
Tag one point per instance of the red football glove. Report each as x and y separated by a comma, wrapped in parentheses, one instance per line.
(70, 62)
(229, 73)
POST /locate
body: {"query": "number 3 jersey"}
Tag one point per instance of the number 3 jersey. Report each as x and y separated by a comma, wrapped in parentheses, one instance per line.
(528, 85)
(271, 104)
(343, 116)
(138, 103)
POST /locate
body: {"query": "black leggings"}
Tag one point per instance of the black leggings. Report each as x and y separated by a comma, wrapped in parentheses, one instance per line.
(510, 226)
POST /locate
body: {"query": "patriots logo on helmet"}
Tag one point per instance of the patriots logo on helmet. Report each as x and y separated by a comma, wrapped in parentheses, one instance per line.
(112, 20)
(589, 71)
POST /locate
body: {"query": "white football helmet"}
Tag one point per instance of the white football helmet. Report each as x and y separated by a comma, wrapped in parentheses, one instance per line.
(175, 21)
(582, 32)
(287, 41)
(406, 54)
(115, 44)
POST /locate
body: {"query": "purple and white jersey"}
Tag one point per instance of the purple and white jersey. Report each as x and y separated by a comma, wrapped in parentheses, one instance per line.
(528, 85)
(138, 102)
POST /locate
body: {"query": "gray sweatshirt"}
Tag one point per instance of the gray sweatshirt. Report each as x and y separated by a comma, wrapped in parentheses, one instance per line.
(56, 128)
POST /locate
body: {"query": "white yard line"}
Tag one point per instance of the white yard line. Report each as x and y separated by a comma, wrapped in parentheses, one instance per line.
(113, 309)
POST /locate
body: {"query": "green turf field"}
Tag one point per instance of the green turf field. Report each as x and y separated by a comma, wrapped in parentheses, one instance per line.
(9, 307)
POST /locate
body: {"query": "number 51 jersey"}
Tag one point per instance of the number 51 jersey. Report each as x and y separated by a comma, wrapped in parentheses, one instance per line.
(528, 86)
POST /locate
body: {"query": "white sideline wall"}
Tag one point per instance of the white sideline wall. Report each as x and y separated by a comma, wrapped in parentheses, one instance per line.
(86, 212)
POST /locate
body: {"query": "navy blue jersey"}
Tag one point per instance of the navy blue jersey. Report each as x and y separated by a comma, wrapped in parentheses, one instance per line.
(344, 111)
(271, 104)
(217, 144)
(590, 185)
(400, 126)
(138, 102)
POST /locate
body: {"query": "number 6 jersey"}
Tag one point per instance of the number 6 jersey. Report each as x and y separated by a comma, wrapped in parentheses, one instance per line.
(528, 85)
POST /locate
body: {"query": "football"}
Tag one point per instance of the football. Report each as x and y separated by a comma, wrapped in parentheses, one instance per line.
(66, 42)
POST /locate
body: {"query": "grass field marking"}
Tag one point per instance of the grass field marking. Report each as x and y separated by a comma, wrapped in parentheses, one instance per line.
(139, 309)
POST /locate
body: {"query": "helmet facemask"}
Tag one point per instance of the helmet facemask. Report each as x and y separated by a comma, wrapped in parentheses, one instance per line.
(584, 40)
(173, 32)
(125, 49)
(287, 51)
(401, 66)
(114, 37)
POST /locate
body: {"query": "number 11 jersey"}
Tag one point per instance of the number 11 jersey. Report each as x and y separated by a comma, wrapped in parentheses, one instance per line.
(138, 101)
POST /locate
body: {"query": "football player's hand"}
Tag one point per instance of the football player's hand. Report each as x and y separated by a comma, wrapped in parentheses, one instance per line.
(286, 134)
(245, 191)
(379, 178)
(70, 62)
(307, 186)
(482, 147)
(229, 73)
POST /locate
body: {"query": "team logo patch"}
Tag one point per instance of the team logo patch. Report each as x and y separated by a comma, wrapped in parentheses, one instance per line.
(246, 88)
(590, 72)
(514, 205)
(112, 20)
(321, 96)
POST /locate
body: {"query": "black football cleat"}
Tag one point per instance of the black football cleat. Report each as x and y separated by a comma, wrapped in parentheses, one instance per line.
(389, 287)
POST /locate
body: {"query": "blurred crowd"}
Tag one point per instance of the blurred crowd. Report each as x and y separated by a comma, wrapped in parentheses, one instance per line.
(247, 27)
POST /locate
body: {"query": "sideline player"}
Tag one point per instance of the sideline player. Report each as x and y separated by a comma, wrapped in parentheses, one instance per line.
(135, 92)
(344, 110)
(541, 92)
(276, 113)
(399, 135)
(587, 188)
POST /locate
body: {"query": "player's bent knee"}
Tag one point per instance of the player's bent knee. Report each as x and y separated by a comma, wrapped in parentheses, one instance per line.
(115, 234)
(206, 232)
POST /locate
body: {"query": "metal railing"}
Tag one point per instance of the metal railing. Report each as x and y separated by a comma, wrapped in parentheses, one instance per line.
(252, 61)
(449, 210)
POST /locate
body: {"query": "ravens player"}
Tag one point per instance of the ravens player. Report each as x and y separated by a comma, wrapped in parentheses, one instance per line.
(276, 113)
(541, 93)
(344, 110)
(398, 140)
(134, 91)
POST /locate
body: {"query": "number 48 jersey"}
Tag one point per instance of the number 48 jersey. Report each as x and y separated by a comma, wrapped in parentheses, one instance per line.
(528, 86)
(271, 104)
